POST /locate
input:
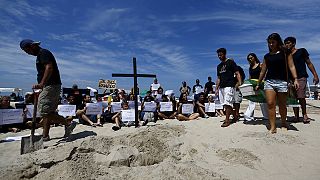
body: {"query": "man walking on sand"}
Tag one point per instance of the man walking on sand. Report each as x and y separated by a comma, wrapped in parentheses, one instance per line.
(226, 85)
(49, 82)
(300, 59)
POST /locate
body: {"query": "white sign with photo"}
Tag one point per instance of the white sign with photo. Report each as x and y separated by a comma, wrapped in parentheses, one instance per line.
(187, 108)
(115, 107)
(11, 116)
(198, 89)
(128, 115)
(93, 108)
(29, 112)
(166, 106)
(218, 105)
(131, 105)
(67, 110)
(150, 106)
(155, 87)
(210, 107)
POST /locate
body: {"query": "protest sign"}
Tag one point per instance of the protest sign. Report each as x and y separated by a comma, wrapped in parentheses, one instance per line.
(166, 106)
(93, 108)
(67, 110)
(128, 115)
(115, 107)
(218, 105)
(11, 116)
(29, 112)
(187, 108)
(107, 84)
(210, 107)
(155, 87)
(150, 106)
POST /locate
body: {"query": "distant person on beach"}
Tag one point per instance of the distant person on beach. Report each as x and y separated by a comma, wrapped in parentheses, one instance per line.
(117, 118)
(5, 104)
(208, 87)
(276, 64)
(301, 59)
(50, 83)
(226, 85)
(154, 87)
(196, 89)
(254, 72)
(200, 105)
(237, 95)
(167, 114)
(181, 116)
(92, 120)
(185, 88)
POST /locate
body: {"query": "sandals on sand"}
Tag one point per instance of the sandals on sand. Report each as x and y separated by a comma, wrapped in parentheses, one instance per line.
(306, 120)
(116, 128)
(225, 124)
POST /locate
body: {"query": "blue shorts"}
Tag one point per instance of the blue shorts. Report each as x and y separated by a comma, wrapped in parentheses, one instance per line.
(276, 85)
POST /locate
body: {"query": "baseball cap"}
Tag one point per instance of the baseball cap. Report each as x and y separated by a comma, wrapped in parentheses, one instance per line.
(26, 42)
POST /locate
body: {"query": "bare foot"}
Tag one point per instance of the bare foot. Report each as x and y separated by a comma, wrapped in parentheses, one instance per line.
(284, 126)
(273, 131)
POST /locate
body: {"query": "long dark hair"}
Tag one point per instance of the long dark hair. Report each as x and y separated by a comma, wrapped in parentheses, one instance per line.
(276, 37)
(256, 59)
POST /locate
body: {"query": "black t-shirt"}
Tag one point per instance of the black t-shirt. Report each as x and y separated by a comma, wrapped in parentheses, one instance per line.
(208, 86)
(225, 71)
(255, 73)
(276, 66)
(299, 59)
(45, 57)
(242, 74)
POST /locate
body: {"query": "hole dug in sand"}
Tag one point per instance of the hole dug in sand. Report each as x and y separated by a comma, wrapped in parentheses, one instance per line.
(239, 156)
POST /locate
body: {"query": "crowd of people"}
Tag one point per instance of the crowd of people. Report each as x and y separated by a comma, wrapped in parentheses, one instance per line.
(282, 72)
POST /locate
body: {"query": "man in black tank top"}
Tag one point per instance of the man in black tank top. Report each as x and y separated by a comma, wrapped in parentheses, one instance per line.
(300, 59)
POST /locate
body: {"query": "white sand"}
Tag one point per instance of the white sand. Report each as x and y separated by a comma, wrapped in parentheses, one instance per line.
(170, 149)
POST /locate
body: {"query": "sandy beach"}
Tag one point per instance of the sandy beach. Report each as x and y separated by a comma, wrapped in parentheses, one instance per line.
(170, 149)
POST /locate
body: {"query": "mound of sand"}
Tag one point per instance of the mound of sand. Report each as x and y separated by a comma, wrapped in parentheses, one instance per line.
(170, 149)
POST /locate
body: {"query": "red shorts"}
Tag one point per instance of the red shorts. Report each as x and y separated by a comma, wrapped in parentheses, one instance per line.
(301, 92)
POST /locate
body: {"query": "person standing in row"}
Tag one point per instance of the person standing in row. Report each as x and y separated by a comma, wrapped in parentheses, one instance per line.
(300, 59)
(226, 85)
(49, 82)
(208, 87)
(254, 72)
(276, 64)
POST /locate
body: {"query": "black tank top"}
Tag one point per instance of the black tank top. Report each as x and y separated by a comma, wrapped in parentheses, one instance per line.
(255, 73)
(276, 66)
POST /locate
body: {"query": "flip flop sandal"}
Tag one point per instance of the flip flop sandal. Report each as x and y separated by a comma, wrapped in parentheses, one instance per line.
(115, 128)
(225, 124)
(100, 125)
(306, 121)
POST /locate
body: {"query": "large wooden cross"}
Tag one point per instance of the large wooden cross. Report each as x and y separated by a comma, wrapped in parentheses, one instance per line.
(135, 85)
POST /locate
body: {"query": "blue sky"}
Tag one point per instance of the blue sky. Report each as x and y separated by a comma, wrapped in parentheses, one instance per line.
(176, 40)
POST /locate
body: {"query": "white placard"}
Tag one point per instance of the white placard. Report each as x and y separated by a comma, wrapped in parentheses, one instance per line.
(115, 107)
(218, 105)
(93, 108)
(11, 116)
(169, 92)
(187, 108)
(150, 106)
(29, 112)
(131, 105)
(155, 87)
(198, 89)
(210, 107)
(67, 110)
(127, 115)
(159, 97)
(166, 106)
